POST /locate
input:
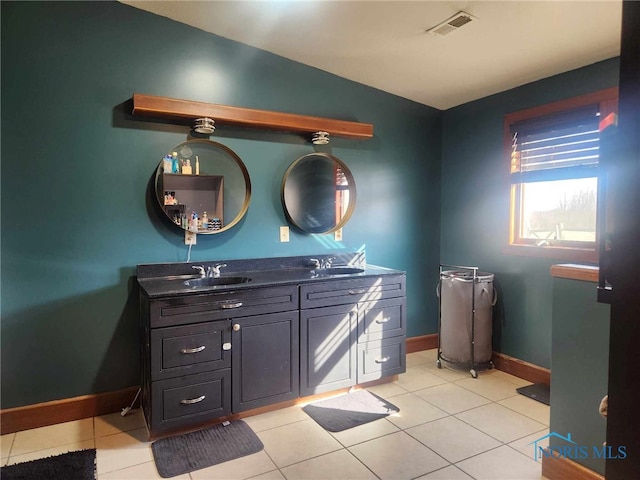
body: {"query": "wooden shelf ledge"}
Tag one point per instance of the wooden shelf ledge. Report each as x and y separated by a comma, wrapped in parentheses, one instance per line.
(587, 273)
(186, 111)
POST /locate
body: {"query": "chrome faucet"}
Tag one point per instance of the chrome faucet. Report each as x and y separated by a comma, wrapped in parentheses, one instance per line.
(200, 269)
(214, 272)
(324, 263)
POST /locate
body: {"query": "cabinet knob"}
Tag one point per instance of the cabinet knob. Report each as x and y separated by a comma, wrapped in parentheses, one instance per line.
(236, 327)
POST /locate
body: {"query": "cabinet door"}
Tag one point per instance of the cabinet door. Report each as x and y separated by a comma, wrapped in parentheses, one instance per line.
(381, 358)
(190, 349)
(381, 319)
(184, 401)
(264, 360)
(327, 349)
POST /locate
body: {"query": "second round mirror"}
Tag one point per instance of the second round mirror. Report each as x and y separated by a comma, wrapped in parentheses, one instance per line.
(318, 193)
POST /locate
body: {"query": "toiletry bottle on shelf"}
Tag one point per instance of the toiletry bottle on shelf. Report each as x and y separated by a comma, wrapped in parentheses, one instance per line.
(166, 164)
(175, 165)
(197, 166)
(186, 168)
(205, 221)
(194, 222)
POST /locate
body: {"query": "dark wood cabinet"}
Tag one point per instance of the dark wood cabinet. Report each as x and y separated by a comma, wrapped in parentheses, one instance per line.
(206, 356)
(215, 354)
(360, 338)
(327, 348)
(264, 360)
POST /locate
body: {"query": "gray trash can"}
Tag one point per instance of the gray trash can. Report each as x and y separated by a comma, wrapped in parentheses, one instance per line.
(467, 298)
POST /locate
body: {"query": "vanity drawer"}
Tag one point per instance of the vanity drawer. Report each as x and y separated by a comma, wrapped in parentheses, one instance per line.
(190, 399)
(381, 358)
(190, 349)
(340, 292)
(185, 309)
(381, 319)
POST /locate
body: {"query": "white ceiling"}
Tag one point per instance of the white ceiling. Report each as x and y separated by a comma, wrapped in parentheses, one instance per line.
(383, 44)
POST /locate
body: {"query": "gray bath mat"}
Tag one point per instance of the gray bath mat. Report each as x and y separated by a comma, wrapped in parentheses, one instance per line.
(537, 391)
(195, 450)
(348, 411)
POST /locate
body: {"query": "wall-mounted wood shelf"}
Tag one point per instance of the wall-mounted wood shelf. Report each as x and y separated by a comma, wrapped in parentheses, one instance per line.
(185, 111)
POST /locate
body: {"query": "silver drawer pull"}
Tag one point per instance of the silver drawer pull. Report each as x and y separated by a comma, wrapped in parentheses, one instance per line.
(382, 360)
(193, 350)
(191, 401)
(231, 305)
(356, 291)
(383, 320)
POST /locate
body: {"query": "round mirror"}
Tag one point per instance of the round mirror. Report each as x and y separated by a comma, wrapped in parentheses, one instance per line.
(203, 186)
(318, 193)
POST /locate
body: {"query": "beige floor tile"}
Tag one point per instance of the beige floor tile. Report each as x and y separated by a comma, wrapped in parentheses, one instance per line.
(387, 390)
(529, 407)
(453, 439)
(418, 358)
(397, 457)
(451, 398)
(277, 418)
(413, 411)
(448, 473)
(489, 386)
(50, 452)
(238, 469)
(52, 436)
(272, 475)
(449, 374)
(430, 355)
(144, 471)
(500, 422)
(525, 445)
(362, 433)
(503, 463)
(417, 378)
(122, 450)
(519, 382)
(340, 465)
(5, 445)
(296, 442)
(116, 423)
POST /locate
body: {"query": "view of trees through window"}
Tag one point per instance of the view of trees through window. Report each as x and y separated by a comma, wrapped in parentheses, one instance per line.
(559, 210)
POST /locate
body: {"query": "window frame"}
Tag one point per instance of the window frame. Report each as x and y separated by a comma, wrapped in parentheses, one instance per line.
(607, 101)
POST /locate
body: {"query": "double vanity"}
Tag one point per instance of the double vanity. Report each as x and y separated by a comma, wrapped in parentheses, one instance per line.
(223, 338)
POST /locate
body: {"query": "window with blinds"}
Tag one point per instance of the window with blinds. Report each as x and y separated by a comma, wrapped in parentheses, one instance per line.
(553, 171)
(556, 147)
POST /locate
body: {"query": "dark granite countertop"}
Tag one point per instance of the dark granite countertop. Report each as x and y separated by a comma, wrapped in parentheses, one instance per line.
(172, 279)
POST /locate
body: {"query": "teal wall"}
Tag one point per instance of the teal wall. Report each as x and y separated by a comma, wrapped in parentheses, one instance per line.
(580, 367)
(475, 207)
(76, 216)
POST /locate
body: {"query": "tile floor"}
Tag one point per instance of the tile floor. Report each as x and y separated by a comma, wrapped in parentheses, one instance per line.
(450, 427)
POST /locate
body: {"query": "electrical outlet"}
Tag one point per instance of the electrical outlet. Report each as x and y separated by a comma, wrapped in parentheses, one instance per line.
(338, 235)
(284, 233)
(190, 237)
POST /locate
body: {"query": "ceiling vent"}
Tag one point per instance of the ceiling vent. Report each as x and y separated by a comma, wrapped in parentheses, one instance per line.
(452, 24)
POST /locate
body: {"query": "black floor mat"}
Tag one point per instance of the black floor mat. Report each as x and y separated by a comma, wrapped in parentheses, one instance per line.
(80, 465)
(537, 391)
(347, 411)
(195, 450)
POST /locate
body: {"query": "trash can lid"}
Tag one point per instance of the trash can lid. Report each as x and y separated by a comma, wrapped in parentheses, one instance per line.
(466, 275)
